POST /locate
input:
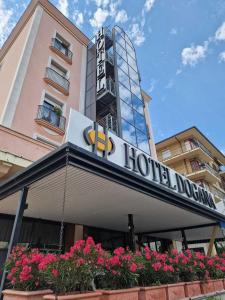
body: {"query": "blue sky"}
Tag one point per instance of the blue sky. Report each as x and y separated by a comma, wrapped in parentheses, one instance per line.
(180, 48)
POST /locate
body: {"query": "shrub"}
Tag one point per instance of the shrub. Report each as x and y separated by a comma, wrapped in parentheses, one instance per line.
(23, 271)
(120, 270)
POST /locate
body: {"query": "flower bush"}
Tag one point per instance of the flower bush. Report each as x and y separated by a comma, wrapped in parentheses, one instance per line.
(157, 268)
(23, 269)
(86, 263)
(119, 270)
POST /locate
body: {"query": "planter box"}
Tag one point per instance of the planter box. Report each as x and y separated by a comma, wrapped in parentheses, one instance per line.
(175, 291)
(75, 296)
(24, 295)
(207, 287)
(153, 293)
(218, 285)
(125, 294)
(192, 289)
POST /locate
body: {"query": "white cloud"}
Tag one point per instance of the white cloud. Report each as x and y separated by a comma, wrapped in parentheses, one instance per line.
(170, 84)
(149, 4)
(192, 55)
(222, 56)
(101, 3)
(63, 7)
(78, 18)
(220, 33)
(99, 18)
(178, 71)
(173, 31)
(5, 15)
(153, 82)
(121, 16)
(136, 34)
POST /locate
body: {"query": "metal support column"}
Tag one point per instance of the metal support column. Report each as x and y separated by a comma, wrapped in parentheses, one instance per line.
(16, 229)
(131, 232)
(184, 240)
(215, 231)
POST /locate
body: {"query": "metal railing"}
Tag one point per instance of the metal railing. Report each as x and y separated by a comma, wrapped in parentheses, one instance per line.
(204, 166)
(194, 145)
(47, 114)
(217, 192)
(57, 78)
(62, 48)
(110, 86)
(109, 122)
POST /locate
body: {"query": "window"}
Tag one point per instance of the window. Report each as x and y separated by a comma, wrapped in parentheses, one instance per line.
(166, 153)
(59, 69)
(62, 45)
(51, 111)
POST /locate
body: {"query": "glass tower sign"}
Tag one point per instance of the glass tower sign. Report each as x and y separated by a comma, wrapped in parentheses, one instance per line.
(113, 92)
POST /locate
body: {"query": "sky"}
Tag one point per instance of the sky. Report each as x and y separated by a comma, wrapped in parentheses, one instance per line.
(180, 47)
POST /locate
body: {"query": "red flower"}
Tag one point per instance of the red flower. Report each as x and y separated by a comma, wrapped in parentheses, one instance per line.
(55, 272)
(87, 249)
(100, 261)
(119, 251)
(157, 266)
(133, 268)
(90, 241)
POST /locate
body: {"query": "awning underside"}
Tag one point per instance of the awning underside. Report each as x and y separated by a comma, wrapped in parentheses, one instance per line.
(96, 201)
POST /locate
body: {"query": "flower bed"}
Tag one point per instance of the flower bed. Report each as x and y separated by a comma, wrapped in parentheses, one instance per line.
(87, 266)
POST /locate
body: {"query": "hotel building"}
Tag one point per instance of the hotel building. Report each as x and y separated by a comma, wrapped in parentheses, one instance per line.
(77, 154)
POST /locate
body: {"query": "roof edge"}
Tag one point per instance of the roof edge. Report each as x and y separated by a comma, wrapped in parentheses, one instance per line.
(199, 131)
(51, 10)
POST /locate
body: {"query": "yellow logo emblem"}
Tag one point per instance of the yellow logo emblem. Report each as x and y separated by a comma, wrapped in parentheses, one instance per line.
(99, 140)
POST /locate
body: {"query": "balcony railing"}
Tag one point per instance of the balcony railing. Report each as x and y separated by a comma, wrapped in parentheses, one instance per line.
(64, 50)
(217, 192)
(109, 122)
(194, 145)
(49, 115)
(204, 166)
(57, 78)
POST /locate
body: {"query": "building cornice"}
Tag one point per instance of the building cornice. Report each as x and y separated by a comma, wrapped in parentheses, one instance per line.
(54, 13)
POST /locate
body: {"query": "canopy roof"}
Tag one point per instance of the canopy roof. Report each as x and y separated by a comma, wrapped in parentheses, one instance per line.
(101, 194)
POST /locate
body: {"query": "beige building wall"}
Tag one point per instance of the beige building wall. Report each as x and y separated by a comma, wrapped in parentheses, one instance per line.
(9, 66)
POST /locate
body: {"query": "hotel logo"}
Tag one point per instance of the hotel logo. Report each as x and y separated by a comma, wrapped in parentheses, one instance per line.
(99, 140)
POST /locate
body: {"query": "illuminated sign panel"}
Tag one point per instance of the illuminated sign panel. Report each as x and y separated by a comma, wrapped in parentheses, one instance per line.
(101, 66)
(84, 133)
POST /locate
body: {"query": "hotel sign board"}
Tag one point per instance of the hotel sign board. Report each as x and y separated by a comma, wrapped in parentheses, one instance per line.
(90, 136)
(101, 65)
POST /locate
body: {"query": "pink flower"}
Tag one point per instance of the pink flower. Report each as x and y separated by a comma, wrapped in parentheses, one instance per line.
(157, 266)
(87, 249)
(100, 261)
(147, 256)
(55, 272)
(90, 241)
(133, 268)
(80, 262)
(119, 251)
(113, 261)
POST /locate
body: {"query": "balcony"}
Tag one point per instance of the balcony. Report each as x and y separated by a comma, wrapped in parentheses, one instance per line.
(57, 81)
(49, 118)
(197, 150)
(109, 122)
(204, 172)
(61, 50)
(219, 194)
